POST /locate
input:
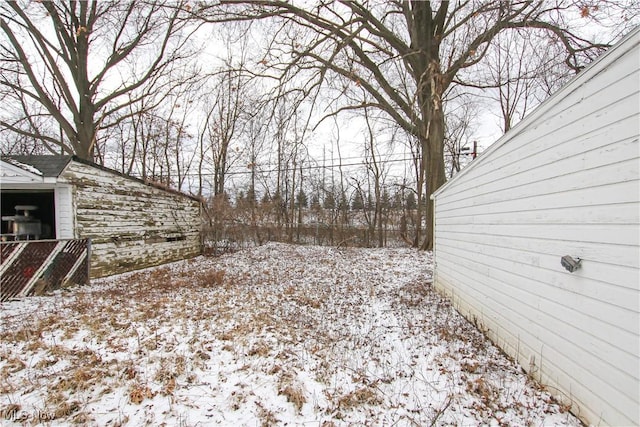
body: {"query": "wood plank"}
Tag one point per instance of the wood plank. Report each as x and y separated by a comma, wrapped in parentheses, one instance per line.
(130, 221)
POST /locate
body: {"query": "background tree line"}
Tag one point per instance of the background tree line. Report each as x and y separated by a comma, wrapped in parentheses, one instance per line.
(261, 106)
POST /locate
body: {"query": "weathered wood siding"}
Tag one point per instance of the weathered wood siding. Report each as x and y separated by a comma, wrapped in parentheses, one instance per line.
(565, 181)
(131, 225)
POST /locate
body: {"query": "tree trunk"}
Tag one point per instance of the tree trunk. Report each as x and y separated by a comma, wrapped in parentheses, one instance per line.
(435, 168)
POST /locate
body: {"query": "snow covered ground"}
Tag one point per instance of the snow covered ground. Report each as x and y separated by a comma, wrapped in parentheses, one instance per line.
(275, 335)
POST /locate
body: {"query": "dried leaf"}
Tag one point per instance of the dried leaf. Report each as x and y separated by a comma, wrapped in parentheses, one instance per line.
(584, 12)
(138, 394)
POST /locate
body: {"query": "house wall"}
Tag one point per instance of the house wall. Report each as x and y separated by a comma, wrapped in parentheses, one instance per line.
(132, 225)
(565, 181)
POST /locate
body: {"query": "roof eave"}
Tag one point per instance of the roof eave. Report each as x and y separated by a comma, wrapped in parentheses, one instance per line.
(611, 54)
(33, 177)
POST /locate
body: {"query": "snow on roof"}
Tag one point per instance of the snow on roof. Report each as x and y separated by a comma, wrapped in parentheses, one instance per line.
(24, 166)
(50, 166)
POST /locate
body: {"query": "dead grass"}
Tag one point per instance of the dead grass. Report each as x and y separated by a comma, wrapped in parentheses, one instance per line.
(327, 331)
(65, 409)
(212, 278)
(294, 394)
(260, 349)
(361, 396)
(12, 364)
(267, 417)
(138, 393)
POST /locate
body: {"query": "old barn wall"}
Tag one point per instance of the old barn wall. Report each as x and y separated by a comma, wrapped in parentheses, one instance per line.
(132, 225)
(565, 181)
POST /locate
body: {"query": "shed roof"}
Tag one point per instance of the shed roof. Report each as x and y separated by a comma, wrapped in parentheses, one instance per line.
(48, 165)
(52, 166)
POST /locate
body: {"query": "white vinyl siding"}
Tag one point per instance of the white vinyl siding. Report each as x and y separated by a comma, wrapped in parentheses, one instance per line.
(565, 181)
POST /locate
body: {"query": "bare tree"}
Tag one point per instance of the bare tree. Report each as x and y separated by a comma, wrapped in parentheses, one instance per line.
(230, 102)
(255, 134)
(404, 54)
(376, 172)
(223, 120)
(512, 72)
(75, 67)
(459, 147)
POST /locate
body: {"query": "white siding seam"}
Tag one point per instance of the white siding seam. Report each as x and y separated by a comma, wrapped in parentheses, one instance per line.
(536, 166)
(545, 239)
(604, 388)
(519, 152)
(631, 310)
(627, 304)
(541, 209)
(481, 268)
(561, 359)
(588, 134)
(564, 181)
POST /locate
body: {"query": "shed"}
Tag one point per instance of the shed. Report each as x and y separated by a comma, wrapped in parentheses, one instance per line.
(132, 223)
(564, 181)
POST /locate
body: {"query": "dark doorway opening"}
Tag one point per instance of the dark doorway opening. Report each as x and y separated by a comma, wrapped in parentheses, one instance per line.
(44, 200)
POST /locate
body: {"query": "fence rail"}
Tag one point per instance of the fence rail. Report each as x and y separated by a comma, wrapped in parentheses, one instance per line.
(33, 267)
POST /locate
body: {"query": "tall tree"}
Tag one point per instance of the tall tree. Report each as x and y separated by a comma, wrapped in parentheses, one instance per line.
(222, 123)
(404, 54)
(376, 173)
(75, 67)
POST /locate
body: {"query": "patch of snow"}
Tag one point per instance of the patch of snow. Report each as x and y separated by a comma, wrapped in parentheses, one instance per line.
(24, 166)
(274, 335)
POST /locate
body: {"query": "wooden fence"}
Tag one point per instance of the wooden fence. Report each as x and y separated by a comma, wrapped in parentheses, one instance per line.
(34, 267)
